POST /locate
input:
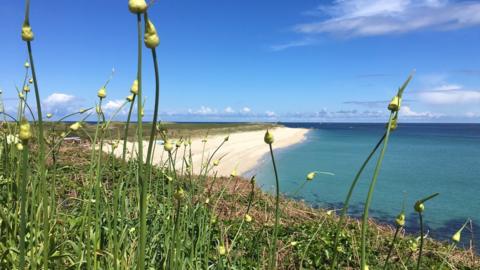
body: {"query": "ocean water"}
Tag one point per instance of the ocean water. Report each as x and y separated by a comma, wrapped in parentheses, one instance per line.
(420, 159)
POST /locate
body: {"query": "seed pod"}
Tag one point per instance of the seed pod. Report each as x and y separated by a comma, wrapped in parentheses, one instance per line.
(130, 98)
(400, 220)
(311, 175)
(27, 34)
(168, 146)
(102, 93)
(151, 38)
(49, 115)
(394, 105)
(268, 137)
(25, 132)
(137, 6)
(75, 126)
(134, 88)
(248, 218)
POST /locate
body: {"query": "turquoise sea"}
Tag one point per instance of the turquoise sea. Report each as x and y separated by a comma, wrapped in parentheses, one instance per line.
(421, 159)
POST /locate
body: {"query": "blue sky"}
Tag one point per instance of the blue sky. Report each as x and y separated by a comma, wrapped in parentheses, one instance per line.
(256, 60)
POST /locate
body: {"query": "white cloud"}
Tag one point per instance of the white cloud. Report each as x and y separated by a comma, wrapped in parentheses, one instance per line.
(270, 114)
(380, 17)
(113, 105)
(246, 109)
(292, 44)
(58, 99)
(406, 111)
(446, 94)
(204, 110)
(229, 110)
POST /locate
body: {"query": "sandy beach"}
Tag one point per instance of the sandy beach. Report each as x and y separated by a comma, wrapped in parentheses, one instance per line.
(242, 152)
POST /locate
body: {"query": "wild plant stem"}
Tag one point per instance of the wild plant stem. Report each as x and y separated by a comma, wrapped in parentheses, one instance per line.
(141, 180)
(272, 264)
(392, 245)
(421, 241)
(41, 161)
(363, 259)
(127, 125)
(346, 204)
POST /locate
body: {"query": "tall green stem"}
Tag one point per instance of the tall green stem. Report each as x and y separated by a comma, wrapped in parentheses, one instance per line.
(141, 180)
(392, 245)
(125, 136)
(273, 250)
(419, 262)
(346, 204)
(41, 162)
(363, 261)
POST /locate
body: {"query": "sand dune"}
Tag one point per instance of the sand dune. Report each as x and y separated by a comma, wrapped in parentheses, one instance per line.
(242, 152)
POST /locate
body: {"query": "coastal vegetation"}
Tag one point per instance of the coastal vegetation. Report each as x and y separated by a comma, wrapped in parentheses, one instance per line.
(69, 205)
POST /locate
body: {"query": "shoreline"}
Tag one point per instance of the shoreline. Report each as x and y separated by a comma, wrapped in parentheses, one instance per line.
(242, 153)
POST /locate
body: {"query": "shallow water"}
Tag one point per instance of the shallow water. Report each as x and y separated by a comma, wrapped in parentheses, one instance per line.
(421, 159)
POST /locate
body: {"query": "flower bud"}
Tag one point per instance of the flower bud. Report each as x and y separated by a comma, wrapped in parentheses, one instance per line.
(134, 88)
(412, 245)
(151, 38)
(268, 137)
(400, 220)
(248, 218)
(293, 243)
(137, 6)
(207, 200)
(179, 194)
(419, 207)
(226, 139)
(75, 126)
(21, 96)
(27, 65)
(25, 132)
(234, 173)
(168, 146)
(19, 146)
(30, 81)
(221, 250)
(178, 143)
(393, 125)
(457, 236)
(27, 34)
(216, 162)
(102, 93)
(311, 175)
(130, 98)
(394, 105)
(26, 88)
(82, 110)
(49, 115)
